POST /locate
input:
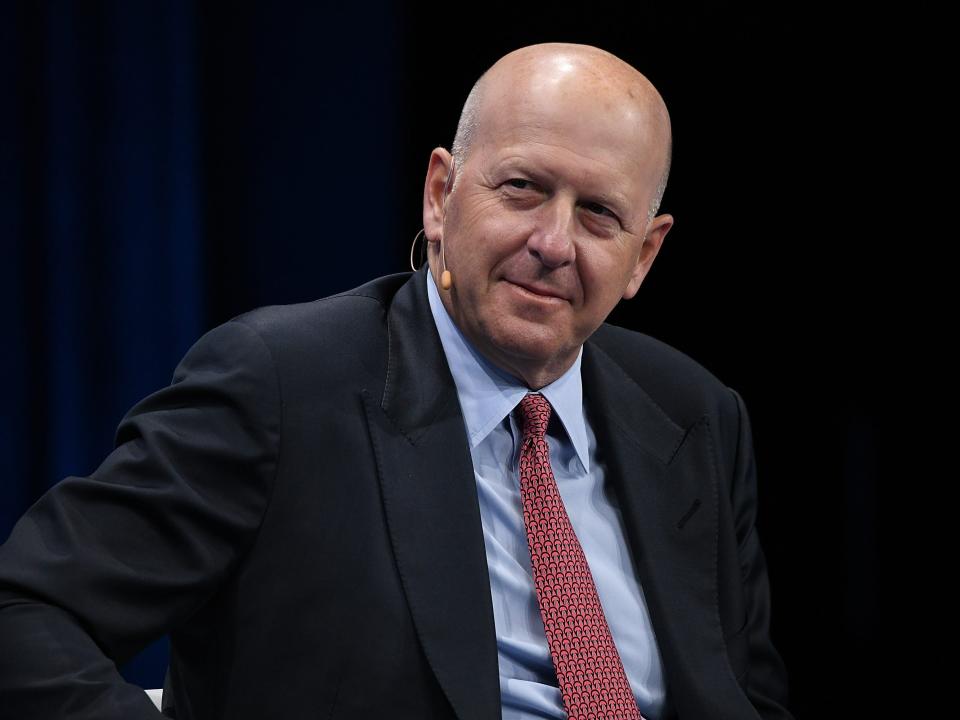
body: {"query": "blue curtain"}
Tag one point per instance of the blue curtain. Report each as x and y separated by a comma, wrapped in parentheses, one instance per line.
(101, 208)
(163, 167)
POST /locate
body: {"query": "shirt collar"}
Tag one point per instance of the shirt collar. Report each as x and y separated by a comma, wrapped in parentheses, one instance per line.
(488, 394)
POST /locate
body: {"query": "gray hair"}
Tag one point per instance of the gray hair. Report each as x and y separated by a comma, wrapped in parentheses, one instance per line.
(466, 127)
(662, 185)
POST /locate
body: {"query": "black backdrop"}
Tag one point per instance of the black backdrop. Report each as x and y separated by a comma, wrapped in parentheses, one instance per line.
(165, 166)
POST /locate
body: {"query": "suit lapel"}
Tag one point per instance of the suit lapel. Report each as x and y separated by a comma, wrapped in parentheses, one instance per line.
(665, 479)
(432, 511)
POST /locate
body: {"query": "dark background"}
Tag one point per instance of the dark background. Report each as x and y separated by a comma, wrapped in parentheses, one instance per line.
(166, 165)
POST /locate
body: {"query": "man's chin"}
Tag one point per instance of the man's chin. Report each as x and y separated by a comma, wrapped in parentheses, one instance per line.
(522, 347)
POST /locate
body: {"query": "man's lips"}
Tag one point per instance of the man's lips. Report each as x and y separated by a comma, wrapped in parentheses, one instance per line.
(540, 291)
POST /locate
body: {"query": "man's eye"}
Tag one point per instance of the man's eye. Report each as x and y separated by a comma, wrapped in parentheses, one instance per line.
(518, 183)
(598, 209)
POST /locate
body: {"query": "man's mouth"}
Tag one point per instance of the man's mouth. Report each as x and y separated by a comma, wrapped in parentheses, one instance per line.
(537, 291)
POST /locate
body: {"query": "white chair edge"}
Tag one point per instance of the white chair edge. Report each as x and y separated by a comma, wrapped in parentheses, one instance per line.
(155, 695)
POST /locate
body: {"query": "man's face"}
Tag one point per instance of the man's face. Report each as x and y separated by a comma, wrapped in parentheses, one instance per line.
(544, 229)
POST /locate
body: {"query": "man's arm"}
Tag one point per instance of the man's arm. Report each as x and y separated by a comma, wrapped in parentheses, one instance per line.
(767, 677)
(102, 565)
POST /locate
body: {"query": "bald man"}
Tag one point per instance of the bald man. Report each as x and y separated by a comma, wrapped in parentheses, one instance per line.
(451, 494)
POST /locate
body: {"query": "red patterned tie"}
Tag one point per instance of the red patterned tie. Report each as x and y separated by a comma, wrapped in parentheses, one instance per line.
(591, 676)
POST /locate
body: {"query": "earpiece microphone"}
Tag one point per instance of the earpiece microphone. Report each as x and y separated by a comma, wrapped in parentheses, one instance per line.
(446, 277)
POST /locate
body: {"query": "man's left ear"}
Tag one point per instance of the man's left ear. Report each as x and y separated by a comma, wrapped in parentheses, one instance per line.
(659, 227)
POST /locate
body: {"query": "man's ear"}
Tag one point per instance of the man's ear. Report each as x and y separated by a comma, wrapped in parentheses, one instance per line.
(441, 163)
(657, 231)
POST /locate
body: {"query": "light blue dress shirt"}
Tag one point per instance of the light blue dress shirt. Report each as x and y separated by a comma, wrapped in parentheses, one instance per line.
(528, 682)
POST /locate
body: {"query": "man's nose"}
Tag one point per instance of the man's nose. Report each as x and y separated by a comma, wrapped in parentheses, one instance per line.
(551, 241)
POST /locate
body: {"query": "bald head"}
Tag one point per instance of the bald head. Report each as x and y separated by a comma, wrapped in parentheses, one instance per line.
(571, 78)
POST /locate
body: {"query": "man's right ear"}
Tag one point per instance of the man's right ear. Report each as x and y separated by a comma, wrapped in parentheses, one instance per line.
(438, 177)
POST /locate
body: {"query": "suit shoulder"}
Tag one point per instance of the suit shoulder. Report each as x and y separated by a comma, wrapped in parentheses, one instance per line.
(641, 354)
(680, 385)
(346, 331)
(357, 310)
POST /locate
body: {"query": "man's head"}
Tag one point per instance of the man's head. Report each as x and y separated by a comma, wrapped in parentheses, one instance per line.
(547, 208)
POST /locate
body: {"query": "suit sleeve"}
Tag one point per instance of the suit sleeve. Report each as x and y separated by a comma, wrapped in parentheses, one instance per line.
(102, 565)
(767, 677)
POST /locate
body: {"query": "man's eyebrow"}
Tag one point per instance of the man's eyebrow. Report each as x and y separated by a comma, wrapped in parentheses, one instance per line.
(512, 162)
(613, 200)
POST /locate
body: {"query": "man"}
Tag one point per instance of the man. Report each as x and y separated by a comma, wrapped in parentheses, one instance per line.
(451, 494)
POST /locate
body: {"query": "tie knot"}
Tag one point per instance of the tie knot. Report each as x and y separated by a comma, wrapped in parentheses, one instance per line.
(534, 415)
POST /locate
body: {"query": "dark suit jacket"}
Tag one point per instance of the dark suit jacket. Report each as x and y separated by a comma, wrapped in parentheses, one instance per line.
(298, 509)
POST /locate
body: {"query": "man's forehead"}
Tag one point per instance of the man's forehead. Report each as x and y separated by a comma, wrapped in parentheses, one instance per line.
(569, 108)
(598, 126)
(580, 94)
